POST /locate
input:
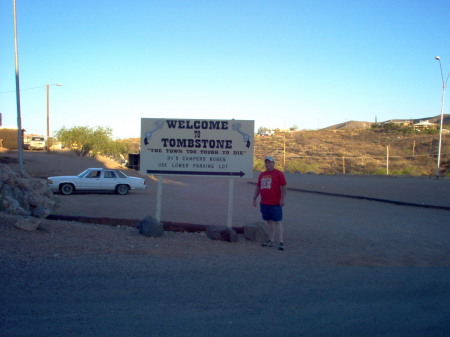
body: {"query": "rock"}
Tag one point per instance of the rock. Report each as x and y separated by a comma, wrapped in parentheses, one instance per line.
(221, 233)
(256, 232)
(149, 226)
(12, 206)
(41, 212)
(34, 199)
(23, 195)
(28, 223)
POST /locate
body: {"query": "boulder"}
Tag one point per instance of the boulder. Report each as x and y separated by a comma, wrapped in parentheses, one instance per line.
(256, 232)
(149, 226)
(221, 233)
(28, 223)
(12, 206)
(41, 212)
(23, 195)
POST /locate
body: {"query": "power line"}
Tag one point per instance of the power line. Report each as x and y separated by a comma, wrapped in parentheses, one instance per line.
(13, 91)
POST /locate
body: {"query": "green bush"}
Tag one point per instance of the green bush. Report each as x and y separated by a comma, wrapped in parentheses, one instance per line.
(258, 165)
(371, 168)
(301, 166)
(89, 141)
(381, 172)
(409, 171)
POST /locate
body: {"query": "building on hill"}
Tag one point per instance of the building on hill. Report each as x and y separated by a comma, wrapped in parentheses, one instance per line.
(401, 122)
(425, 125)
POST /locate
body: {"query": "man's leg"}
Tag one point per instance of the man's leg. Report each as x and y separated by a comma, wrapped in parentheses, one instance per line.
(270, 231)
(278, 228)
(270, 234)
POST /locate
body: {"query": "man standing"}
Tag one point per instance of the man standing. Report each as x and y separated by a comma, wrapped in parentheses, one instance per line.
(272, 187)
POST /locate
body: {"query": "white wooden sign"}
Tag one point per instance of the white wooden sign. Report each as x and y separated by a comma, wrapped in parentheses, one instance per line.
(206, 147)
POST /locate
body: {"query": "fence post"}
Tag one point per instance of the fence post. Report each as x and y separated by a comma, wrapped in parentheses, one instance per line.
(387, 160)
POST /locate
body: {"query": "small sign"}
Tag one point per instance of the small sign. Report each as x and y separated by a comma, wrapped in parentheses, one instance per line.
(205, 147)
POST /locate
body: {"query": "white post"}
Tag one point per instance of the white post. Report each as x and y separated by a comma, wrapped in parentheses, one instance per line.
(230, 202)
(159, 198)
(387, 160)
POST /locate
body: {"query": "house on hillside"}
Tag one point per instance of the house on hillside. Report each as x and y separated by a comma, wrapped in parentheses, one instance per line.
(401, 122)
(422, 125)
(267, 133)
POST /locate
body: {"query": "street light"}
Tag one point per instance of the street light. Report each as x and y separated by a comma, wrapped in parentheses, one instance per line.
(48, 113)
(444, 85)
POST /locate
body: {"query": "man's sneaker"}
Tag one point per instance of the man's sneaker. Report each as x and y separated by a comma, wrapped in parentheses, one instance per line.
(281, 246)
(268, 244)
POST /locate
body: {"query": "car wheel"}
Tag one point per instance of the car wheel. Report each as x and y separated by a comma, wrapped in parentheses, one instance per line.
(66, 189)
(122, 189)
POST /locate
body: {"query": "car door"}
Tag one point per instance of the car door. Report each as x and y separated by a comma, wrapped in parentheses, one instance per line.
(92, 181)
(110, 180)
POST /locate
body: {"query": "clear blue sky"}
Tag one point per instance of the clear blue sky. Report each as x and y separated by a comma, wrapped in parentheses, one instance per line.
(281, 63)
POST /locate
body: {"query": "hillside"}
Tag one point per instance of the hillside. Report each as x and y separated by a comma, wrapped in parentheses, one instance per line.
(352, 148)
(354, 152)
(351, 125)
(366, 125)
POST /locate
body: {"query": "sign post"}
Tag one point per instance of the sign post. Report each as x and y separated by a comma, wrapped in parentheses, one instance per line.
(192, 147)
(230, 201)
(159, 198)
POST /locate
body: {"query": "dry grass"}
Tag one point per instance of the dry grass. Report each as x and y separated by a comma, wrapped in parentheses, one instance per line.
(356, 151)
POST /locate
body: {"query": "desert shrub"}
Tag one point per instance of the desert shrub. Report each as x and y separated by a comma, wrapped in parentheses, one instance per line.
(381, 171)
(258, 165)
(301, 166)
(371, 168)
(410, 171)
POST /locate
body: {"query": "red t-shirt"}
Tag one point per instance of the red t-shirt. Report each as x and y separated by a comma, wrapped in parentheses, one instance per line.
(270, 183)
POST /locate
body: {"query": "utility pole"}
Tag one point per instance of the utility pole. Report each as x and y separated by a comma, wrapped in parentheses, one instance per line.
(19, 119)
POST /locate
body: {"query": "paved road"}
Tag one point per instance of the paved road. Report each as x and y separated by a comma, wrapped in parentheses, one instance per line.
(221, 296)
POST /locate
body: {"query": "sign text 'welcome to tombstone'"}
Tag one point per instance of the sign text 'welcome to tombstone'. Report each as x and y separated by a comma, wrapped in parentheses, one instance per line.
(197, 147)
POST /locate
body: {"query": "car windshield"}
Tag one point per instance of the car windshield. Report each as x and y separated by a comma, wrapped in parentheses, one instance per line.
(82, 174)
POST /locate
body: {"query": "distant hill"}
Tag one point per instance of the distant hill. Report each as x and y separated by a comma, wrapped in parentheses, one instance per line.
(435, 119)
(349, 126)
(355, 125)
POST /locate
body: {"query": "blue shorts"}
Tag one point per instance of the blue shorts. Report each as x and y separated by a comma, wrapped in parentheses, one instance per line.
(271, 212)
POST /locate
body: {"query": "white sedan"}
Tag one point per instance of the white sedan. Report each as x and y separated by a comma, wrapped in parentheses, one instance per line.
(96, 179)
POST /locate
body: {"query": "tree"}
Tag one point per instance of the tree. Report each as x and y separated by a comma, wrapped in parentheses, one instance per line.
(91, 141)
(262, 130)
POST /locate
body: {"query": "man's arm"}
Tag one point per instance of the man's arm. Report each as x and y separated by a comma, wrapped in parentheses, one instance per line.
(283, 194)
(255, 195)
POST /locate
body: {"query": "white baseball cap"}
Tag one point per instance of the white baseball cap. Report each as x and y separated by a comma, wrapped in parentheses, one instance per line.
(270, 159)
